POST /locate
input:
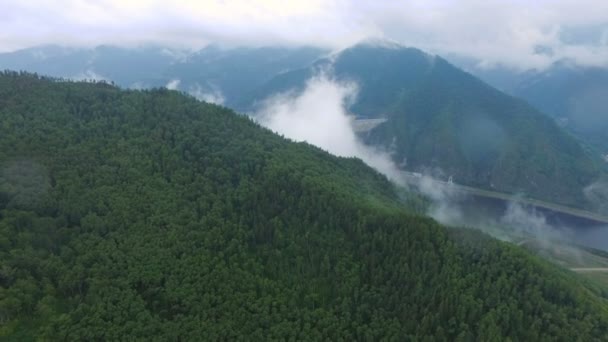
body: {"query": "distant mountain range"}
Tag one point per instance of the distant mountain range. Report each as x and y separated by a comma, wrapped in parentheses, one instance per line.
(213, 74)
(439, 119)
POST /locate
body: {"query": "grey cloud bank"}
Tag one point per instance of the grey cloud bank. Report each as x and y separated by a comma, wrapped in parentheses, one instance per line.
(516, 34)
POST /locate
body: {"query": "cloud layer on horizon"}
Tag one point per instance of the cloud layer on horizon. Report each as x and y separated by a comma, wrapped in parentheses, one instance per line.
(517, 33)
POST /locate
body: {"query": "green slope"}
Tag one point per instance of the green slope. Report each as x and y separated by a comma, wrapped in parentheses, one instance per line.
(150, 216)
(444, 121)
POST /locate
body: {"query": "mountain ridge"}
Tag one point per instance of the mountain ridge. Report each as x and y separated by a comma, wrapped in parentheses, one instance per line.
(148, 214)
(470, 134)
(447, 122)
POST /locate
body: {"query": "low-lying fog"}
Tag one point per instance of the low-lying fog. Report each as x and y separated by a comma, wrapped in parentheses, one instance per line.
(510, 220)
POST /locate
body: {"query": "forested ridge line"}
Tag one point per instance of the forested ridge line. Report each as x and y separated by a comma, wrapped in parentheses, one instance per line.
(148, 215)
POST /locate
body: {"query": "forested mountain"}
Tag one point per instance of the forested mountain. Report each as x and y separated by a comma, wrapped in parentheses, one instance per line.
(213, 74)
(440, 120)
(148, 215)
(443, 120)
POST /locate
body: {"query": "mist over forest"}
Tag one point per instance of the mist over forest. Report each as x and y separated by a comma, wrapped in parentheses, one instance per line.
(320, 170)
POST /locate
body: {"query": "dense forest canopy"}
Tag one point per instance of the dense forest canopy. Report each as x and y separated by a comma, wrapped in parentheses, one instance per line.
(148, 215)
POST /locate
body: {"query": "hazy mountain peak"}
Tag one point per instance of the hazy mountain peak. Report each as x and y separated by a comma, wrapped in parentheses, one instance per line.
(380, 42)
(387, 55)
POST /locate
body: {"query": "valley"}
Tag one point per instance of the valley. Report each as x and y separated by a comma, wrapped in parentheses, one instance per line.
(573, 239)
(555, 213)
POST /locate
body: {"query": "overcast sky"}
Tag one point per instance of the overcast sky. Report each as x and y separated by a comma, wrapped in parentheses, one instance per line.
(516, 33)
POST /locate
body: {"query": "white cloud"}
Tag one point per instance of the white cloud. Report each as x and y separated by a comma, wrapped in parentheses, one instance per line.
(318, 116)
(173, 84)
(89, 75)
(215, 96)
(138, 86)
(597, 194)
(516, 33)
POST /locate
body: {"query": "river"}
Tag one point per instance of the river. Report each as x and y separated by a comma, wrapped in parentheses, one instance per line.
(461, 205)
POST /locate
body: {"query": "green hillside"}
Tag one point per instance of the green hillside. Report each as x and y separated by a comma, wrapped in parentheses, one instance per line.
(147, 215)
(444, 121)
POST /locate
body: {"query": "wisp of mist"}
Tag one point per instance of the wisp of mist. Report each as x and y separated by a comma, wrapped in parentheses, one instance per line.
(319, 116)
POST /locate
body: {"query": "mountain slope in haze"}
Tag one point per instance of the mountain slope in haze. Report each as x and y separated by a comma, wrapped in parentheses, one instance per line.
(574, 95)
(214, 74)
(577, 97)
(126, 67)
(234, 72)
(145, 215)
(446, 122)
